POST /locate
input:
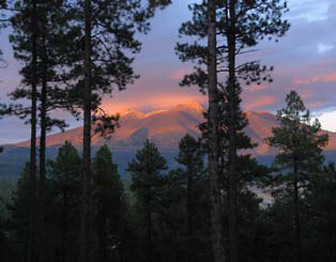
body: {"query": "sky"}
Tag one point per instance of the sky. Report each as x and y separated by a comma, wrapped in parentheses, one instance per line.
(304, 60)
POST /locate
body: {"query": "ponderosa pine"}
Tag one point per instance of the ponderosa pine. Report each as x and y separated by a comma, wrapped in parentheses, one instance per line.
(300, 145)
(146, 170)
(190, 157)
(25, 35)
(108, 46)
(109, 205)
(239, 26)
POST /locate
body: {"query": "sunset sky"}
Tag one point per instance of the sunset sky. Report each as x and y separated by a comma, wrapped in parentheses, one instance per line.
(304, 60)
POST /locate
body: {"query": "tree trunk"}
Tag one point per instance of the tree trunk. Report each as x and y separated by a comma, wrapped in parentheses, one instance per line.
(43, 115)
(84, 229)
(232, 150)
(32, 174)
(216, 218)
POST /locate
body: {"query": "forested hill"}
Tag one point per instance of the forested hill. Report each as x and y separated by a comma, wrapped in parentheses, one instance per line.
(164, 127)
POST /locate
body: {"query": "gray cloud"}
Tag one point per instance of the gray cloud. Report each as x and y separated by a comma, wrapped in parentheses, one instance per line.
(298, 60)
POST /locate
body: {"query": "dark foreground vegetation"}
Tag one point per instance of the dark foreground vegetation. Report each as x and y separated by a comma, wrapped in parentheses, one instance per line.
(76, 208)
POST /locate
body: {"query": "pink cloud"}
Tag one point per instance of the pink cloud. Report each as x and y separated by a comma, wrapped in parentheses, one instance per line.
(263, 101)
(311, 80)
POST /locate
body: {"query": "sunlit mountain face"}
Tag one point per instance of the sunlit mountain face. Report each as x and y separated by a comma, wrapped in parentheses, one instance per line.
(167, 126)
(163, 127)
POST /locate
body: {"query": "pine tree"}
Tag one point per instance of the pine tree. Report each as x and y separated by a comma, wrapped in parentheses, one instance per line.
(213, 153)
(320, 232)
(65, 183)
(54, 26)
(191, 158)
(108, 45)
(238, 26)
(108, 198)
(53, 35)
(192, 177)
(19, 221)
(180, 208)
(25, 36)
(146, 170)
(300, 155)
(50, 26)
(87, 108)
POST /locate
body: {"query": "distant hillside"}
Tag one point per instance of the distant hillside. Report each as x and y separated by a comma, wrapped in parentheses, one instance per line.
(163, 127)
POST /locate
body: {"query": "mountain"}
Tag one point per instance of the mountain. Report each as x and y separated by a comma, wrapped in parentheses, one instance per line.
(164, 127)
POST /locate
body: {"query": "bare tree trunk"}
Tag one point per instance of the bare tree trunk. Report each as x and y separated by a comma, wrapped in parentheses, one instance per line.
(232, 149)
(84, 229)
(41, 191)
(32, 173)
(216, 218)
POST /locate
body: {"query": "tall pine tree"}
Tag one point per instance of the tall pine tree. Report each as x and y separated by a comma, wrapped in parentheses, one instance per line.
(19, 223)
(109, 206)
(300, 155)
(236, 26)
(50, 26)
(320, 233)
(192, 177)
(104, 62)
(64, 175)
(146, 170)
(25, 45)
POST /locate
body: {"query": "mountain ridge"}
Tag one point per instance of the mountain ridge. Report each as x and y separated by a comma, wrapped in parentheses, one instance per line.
(166, 127)
(163, 127)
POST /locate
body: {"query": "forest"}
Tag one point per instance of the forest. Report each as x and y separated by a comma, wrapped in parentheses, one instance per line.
(206, 207)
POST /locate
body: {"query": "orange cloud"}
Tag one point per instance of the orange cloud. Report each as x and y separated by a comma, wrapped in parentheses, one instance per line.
(311, 80)
(263, 101)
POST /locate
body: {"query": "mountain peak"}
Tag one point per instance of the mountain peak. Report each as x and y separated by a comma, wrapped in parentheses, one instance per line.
(196, 106)
(166, 127)
(134, 114)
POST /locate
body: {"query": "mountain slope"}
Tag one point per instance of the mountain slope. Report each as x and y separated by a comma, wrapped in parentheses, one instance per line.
(163, 127)
(167, 127)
